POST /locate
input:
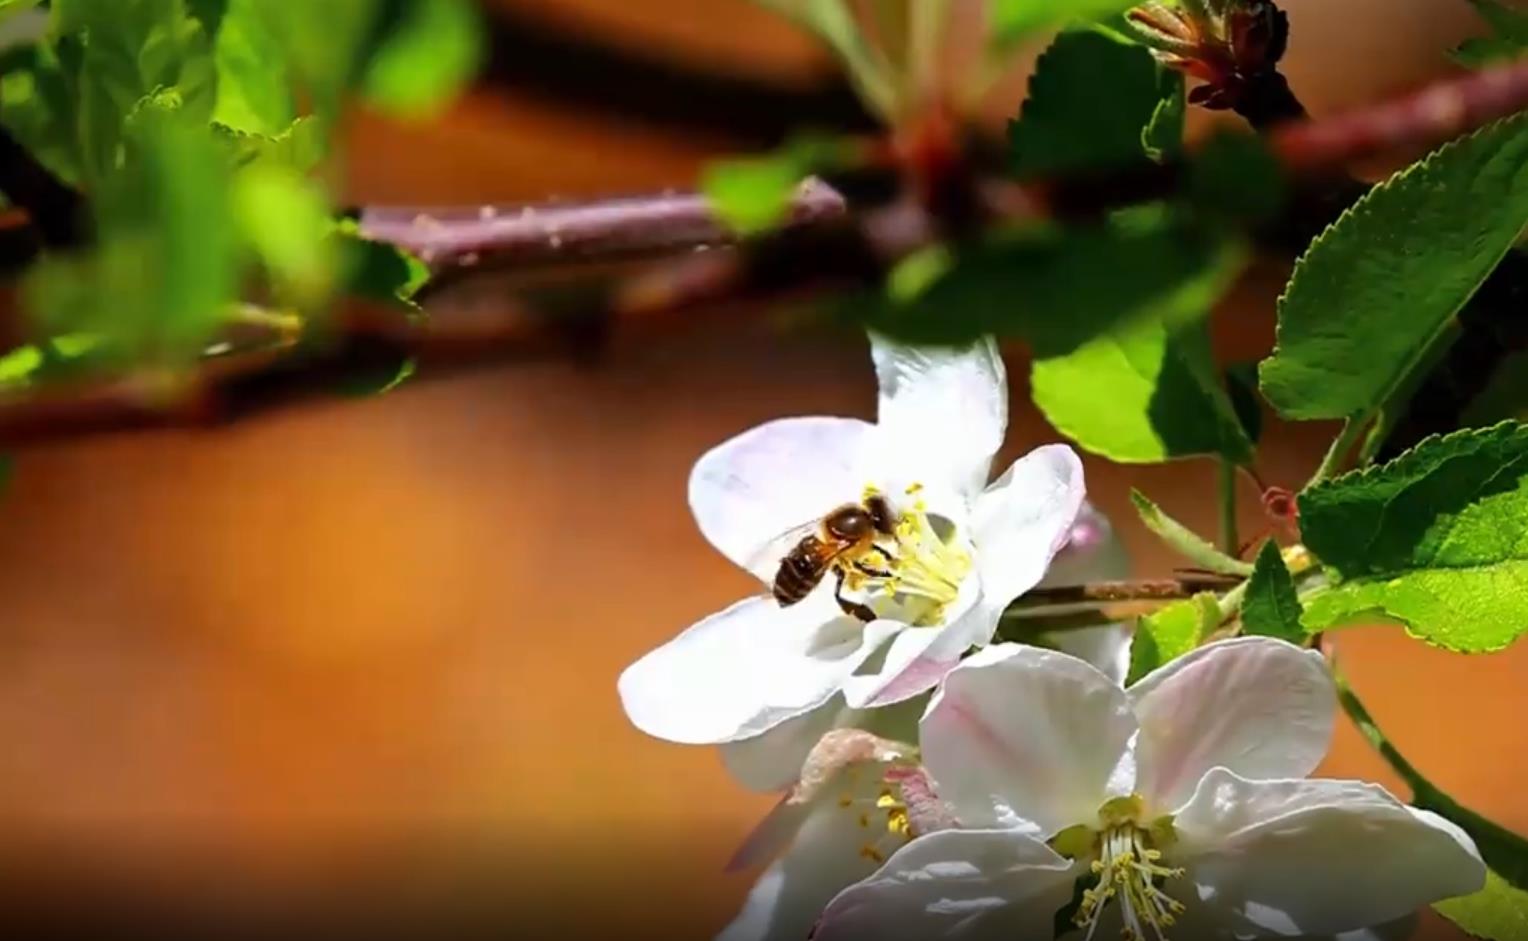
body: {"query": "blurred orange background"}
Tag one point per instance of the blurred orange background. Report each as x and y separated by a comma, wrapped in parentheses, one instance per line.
(368, 649)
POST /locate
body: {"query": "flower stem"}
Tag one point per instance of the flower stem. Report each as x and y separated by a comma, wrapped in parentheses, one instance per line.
(1332, 463)
(1092, 595)
(1230, 540)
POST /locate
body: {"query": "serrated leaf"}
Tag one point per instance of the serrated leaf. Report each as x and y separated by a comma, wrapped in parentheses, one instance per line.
(1141, 394)
(1371, 294)
(1499, 912)
(1093, 102)
(1272, 606)
(1171, 632)
(1042, 283)
(1436, 539)
(1187, 542)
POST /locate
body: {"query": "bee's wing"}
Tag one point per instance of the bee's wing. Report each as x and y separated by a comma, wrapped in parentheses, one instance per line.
(765, 561)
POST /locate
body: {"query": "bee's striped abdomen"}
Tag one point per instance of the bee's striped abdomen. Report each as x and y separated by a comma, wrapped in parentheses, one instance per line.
(799, 573)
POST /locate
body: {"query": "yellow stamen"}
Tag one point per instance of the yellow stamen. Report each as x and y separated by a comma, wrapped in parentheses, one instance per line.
(1129, 869)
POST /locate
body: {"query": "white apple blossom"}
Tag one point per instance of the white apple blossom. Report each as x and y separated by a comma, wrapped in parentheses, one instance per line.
(961, 552)
(822, 841)
(1182, 802)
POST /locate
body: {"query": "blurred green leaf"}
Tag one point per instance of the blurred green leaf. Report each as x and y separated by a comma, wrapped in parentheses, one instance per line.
(1373, 292)
(1188, 543)
(1508, 39)
(1241, 387)
(377, 270)
(1272, 606)
(1436, 539)
(1142, 393)
(255, 93)
(432, 51)
(1061, 286)
(1234, 176)
(1170, 633)
(1094, 103)
(1499, 912)
(37, 105)
(1013, 21)
(166, 268)
(285, 218)
(753, 194)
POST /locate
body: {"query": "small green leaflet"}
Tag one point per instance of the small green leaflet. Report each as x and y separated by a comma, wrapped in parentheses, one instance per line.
(1171, 632)
(1186, 541)
(1369, 296)
(1509, 39)
(1042, 282)
(1272, 607)
(1436, 539)
(753, 194)
(1499, 912)
(1141, 393)
(255, 94)
(1095, 103)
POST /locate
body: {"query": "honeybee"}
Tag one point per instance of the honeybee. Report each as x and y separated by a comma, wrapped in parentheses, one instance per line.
(837, 542)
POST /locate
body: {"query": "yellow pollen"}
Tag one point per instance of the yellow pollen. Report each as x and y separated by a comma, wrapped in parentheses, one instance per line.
(871, 853)
(882, 839)
(1130, 871)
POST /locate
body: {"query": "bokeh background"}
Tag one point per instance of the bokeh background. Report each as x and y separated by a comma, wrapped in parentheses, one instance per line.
(362, 656)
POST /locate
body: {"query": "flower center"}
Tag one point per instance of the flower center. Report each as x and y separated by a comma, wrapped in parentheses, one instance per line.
(882, 815)
(1128, 865)
(917, 571)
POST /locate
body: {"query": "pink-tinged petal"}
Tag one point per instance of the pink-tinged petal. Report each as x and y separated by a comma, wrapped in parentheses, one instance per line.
(943, 410)
(1024, 519)
(1261, 707)
(1028, 738)
(955, 884)
(1092, 552)
(747, 669)
(1316, 857)
(772, 761)
(1107, 648)
(748, 491)
(903, 673)
(921, 656)
(823, 858)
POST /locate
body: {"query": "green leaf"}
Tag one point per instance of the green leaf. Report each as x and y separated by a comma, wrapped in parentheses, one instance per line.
(1499, 912)
(1015, 20)
(37, 105)
(1241, 386)
(167, 265)
(255, 93)
(1234, 176)
(1094, 104)
(1436, 539)
(1187, 542)
(1163, 137)
(1367, 299)
(285, 218)
(1171, 632)
(1272, 607)
(1141, 393)
(433, 50)
(1042, 282)
(1509, 39)
(377, 270)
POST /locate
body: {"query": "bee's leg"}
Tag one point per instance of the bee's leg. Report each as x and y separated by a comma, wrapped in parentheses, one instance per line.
(872, 572)
(852, 608)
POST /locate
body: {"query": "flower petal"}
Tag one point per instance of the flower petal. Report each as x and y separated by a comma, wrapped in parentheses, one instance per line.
(966, 884)
(920, 657)
(1316, 857)
(1020, 522)
(1092, 553)
(944, 411)
(823, 860)
(1028, 738)
(1260, 707)
(751, 489)
(747, 669)
(772, 761)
